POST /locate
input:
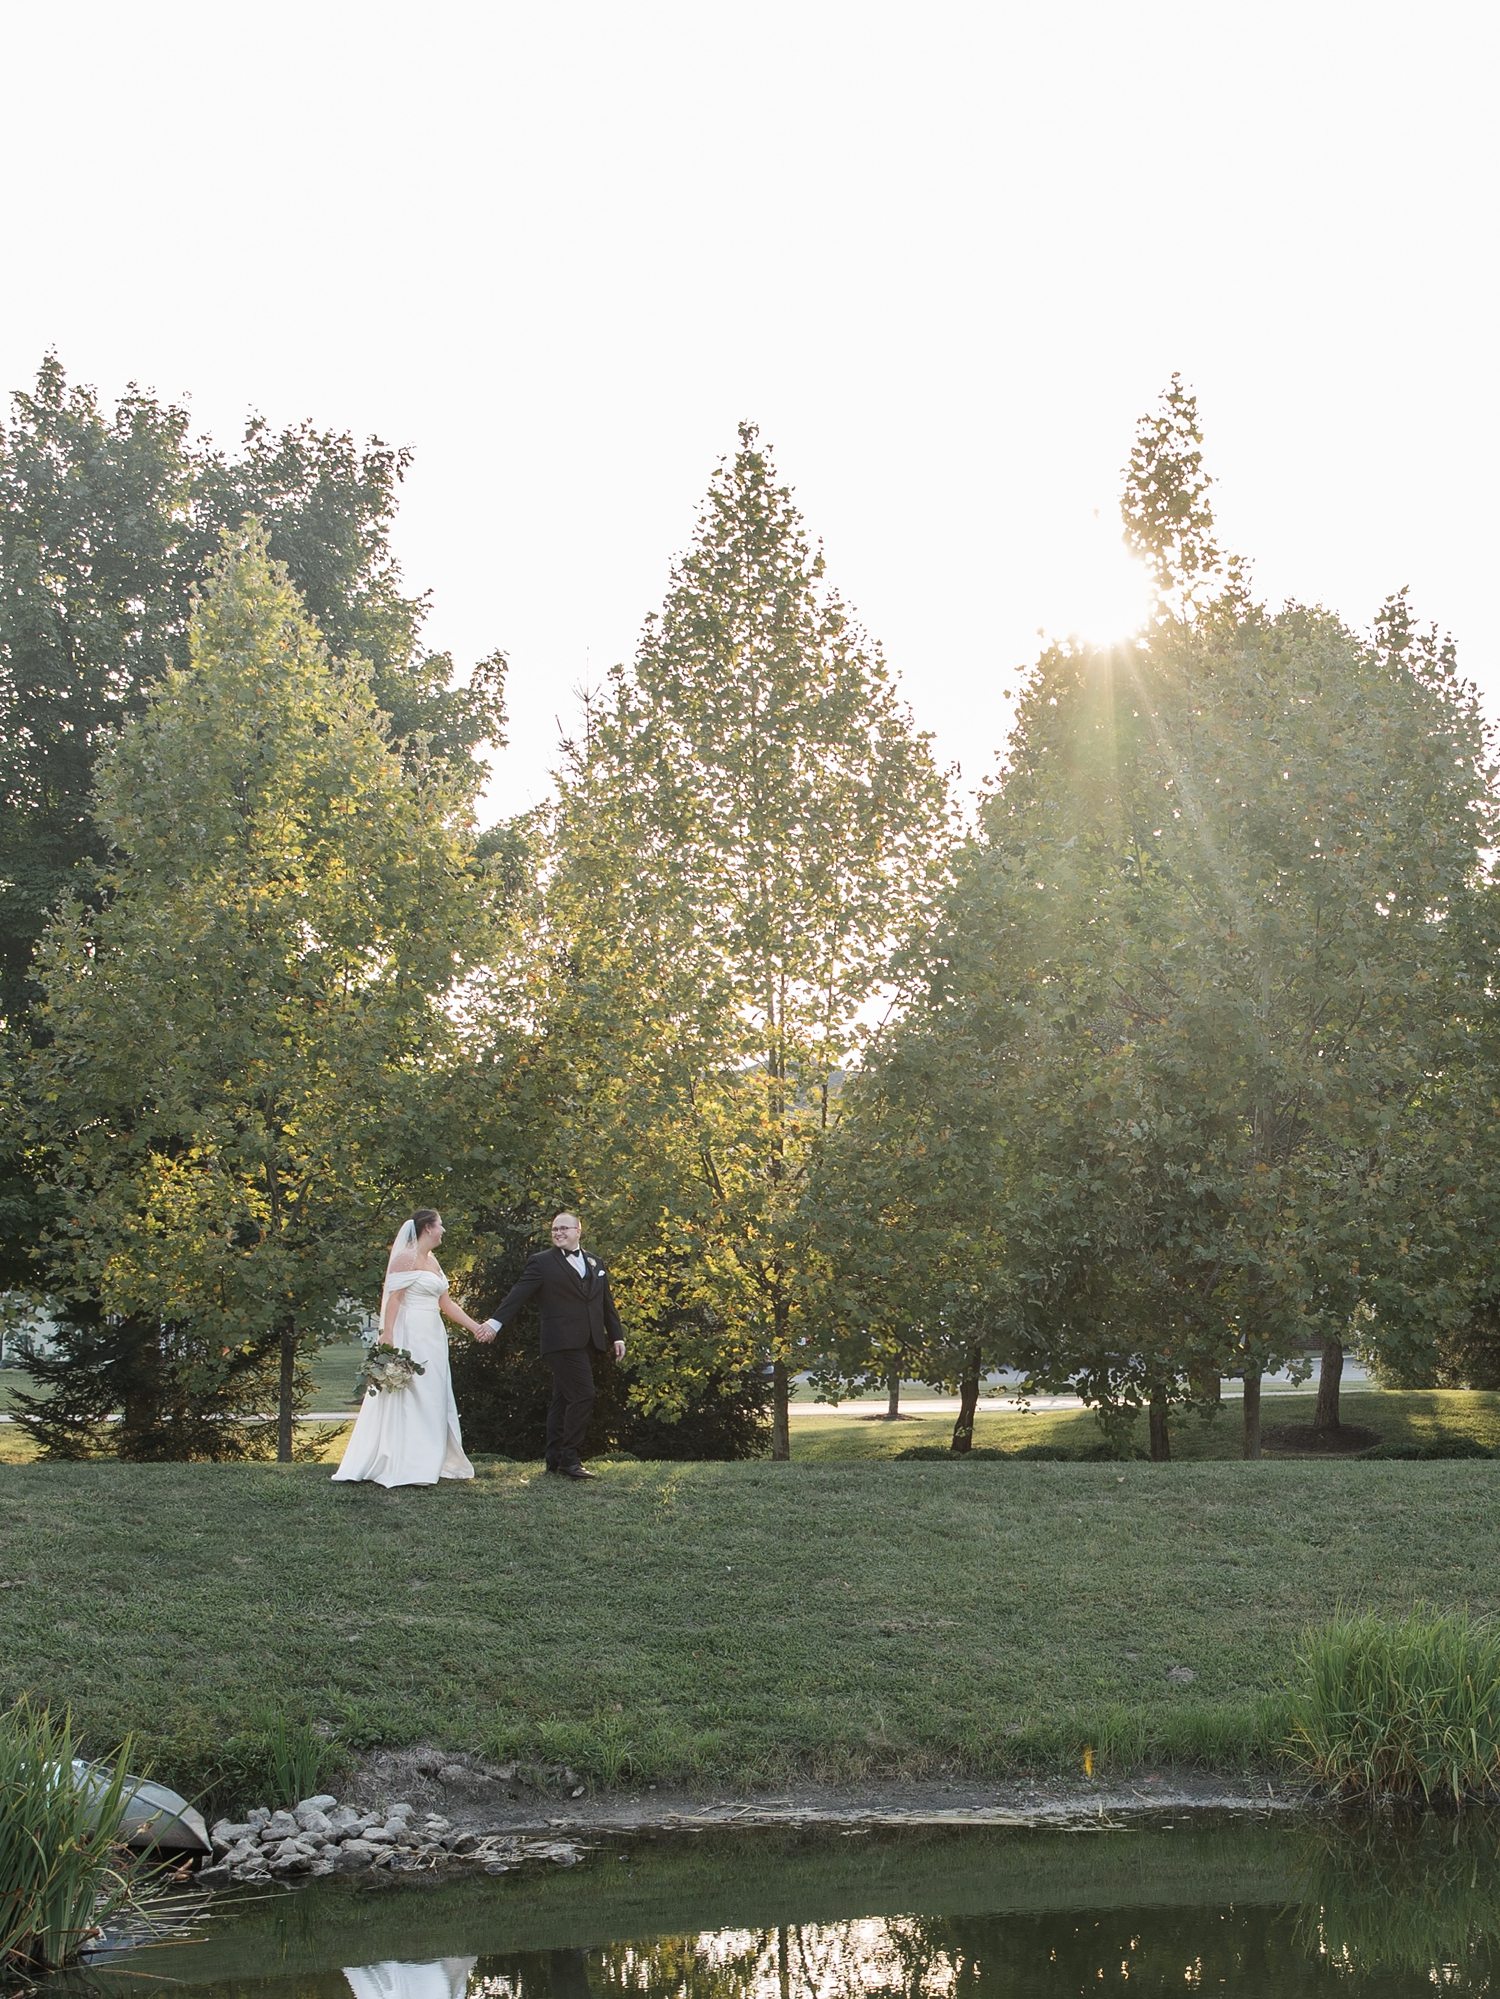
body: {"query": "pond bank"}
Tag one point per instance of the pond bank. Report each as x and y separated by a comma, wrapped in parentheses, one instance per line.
(470, 1800)
(396, 1816)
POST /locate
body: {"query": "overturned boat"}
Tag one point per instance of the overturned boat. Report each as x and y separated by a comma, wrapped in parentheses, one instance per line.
(155, 1819)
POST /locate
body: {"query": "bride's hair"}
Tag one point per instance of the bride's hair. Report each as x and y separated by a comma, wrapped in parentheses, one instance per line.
(423, 1219)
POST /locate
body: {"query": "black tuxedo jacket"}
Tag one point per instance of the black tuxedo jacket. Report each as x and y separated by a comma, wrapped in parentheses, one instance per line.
(576, 1311)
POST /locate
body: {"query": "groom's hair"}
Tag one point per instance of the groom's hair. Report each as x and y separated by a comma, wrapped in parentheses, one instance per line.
(565, 1215)
(423, 1219)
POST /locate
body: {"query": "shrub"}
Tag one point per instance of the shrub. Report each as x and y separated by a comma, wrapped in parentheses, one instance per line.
(503, 1389)
(1407, 1710)
(1463, 1356)
(61, 1863)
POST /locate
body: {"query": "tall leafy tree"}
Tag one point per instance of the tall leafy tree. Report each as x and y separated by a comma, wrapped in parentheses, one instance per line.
(108, 523)
(1205, 1019)
(99, 551)
(327, 507)
(748, 829)
(235, 1088)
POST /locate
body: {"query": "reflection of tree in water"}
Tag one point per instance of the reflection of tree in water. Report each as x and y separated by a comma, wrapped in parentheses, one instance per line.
(799, 1961)
(1227, 1949)
(1414, 1895)
(1377, 1908)
(1248, 1950)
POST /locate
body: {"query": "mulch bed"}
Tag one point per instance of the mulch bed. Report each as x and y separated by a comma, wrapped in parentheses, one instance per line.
(1301, 1440)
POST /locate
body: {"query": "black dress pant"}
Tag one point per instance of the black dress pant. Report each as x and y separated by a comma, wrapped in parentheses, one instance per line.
(572, 1404)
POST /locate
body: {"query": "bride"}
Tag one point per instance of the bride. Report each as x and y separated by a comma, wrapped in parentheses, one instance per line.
(410, 1436)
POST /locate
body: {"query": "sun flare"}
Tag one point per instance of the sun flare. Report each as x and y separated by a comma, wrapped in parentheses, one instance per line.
(1107, 593)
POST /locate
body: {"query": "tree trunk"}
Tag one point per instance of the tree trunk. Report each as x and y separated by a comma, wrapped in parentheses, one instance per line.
(1251, 1446)
(1161, 1442)
(284, 1395)
(144, 1385)
(968, 1402)
(893, 1403)
(1330, 1373)
(781, 1428)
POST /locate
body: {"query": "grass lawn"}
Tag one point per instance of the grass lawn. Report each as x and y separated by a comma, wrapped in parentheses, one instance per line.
(724, 1621)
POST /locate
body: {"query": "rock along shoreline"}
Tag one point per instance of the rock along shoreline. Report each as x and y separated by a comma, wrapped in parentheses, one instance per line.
(320, 1836)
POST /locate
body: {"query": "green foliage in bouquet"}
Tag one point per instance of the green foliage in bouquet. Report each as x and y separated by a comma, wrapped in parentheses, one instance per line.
(387, 1369)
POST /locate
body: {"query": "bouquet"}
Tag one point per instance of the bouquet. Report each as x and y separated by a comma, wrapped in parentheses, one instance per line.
(388, 1369)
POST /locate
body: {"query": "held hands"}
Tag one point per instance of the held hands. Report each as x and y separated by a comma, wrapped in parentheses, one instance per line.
(488, 1330)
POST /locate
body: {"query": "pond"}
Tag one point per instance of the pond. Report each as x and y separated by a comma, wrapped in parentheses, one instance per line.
(1280, 1904)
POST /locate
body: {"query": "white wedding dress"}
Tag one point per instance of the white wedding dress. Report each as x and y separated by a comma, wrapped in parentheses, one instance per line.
(410, 1436)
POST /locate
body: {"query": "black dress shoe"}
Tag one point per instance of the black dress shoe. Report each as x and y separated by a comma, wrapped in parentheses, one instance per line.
(577, 1471)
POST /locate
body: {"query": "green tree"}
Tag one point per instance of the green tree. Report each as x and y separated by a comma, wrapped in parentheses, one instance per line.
(244, 1043)
(327, 508)
(1207, 1017)
(99, 550)
(108, 523)
(746, 832)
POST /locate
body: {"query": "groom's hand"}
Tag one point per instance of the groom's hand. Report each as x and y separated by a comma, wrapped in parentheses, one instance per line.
(619, 1349)
(488, 1330)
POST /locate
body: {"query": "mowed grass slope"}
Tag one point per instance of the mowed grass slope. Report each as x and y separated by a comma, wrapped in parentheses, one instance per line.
(718, 1620)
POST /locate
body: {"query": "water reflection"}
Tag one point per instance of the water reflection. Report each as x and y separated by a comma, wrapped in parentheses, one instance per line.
(446, 1978)
(1377, 1895)
(1224, 1950)
(1270, 1907)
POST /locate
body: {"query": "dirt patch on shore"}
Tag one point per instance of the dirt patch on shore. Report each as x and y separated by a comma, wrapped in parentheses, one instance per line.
(485, 1797)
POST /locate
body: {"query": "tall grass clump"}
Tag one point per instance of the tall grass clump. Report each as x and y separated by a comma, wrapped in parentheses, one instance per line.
(280, 1763)
(61, 1861)
(1405, 1710)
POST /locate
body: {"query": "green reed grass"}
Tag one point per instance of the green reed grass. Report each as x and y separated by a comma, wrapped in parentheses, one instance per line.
(1406, 1709)
(279, 1762)
(62, 1868)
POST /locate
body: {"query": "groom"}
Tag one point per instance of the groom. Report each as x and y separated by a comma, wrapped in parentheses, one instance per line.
(572, 1291)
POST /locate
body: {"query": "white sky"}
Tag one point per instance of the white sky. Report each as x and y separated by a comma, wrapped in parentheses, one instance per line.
(943, 253)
